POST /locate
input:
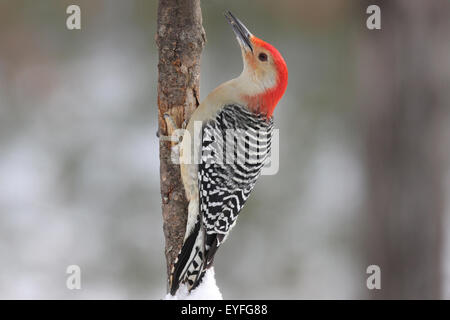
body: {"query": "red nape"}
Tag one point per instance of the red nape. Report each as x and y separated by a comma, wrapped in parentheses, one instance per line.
(267, 101)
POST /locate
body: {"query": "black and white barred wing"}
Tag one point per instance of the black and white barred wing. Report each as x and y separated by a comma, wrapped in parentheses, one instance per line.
(235, 147)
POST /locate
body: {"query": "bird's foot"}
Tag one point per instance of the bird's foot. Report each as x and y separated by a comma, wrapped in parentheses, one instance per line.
(175, 135)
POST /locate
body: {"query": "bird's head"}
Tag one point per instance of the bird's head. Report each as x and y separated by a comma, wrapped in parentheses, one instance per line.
(265, 74)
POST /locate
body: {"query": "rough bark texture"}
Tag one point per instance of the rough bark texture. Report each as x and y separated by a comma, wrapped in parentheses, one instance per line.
(180, 38)
(403, 81)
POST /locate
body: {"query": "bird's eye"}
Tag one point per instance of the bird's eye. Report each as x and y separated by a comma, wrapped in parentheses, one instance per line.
(262, 56)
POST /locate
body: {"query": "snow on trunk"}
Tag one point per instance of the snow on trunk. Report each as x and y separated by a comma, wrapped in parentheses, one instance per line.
(207, 290)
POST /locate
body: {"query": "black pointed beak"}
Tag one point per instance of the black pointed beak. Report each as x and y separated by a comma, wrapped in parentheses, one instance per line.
(241, 31)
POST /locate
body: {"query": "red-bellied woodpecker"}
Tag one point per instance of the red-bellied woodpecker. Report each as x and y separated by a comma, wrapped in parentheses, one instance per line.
(230, 136)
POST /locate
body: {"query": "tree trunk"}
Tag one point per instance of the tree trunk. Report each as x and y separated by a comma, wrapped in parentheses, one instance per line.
(404, 90)
(180, 39)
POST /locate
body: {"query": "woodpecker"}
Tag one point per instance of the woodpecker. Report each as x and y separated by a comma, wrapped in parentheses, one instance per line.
(217, 189)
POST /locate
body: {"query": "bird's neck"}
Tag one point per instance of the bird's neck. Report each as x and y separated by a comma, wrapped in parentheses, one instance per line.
(261, 97)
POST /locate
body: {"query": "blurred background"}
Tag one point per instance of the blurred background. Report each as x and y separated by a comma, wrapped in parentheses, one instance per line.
(365, 141)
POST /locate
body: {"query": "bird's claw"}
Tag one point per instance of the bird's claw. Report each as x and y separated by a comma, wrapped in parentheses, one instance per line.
(171, 127)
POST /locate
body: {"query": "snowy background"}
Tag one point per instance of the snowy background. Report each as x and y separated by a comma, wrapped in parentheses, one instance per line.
(79, 167)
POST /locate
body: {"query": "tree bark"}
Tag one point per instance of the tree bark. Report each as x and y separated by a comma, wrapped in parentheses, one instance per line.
(404, 106)
(180, 39)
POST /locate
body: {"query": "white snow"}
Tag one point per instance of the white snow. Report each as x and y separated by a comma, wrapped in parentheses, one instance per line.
(207, 290)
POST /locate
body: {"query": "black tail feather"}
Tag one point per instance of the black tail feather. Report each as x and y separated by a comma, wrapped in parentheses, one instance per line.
(213, 241)
(182, 259)
(192, 270)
